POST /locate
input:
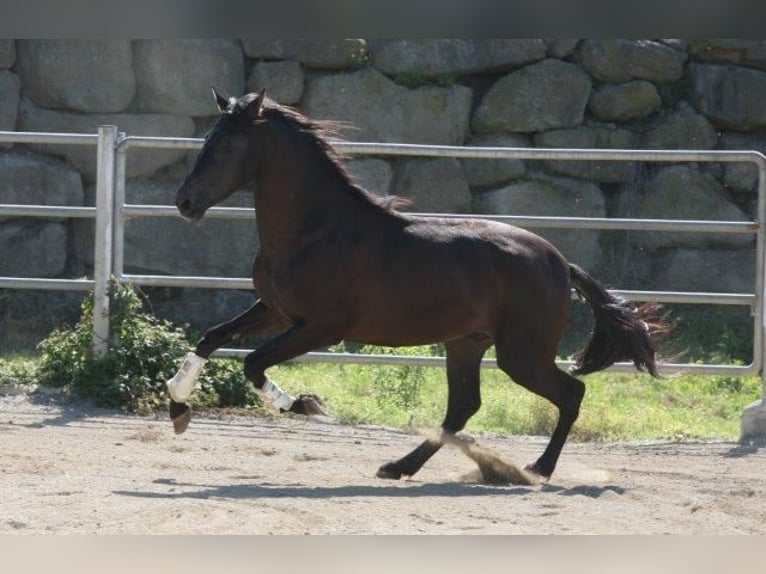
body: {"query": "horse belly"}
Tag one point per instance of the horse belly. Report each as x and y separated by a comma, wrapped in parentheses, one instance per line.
(426, 311)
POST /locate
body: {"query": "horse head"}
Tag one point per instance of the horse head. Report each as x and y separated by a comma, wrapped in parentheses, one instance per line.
(226, 160)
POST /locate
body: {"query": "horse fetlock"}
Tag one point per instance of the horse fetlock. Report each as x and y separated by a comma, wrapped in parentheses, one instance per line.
(180, 387)
(540, 473)
(271, 393)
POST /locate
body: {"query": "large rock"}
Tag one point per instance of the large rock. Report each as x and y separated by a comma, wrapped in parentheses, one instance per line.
(742, 176)
(175, 76)
(385, 111)
(729, 96)
(7, 54)
(283, 81)
(561, 47)
(433, 57)
(550, 94)
(141, 162)
(684, 192)
(36, 248)
(551, 196)
(730, 51)
(434, 185)
(704, 270)
(33, 180)
(170, 245)
(682, 128)
(22, 330)
(200, 309)
(330, 54)
(624, 102)
(590, 137)
(485, 172)
(620, 60)
(32, 249)
(374, 175)
(82, 75)
(9, 100)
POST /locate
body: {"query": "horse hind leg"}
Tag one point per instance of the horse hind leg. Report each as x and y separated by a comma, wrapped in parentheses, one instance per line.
(536, 371)
(464, 399)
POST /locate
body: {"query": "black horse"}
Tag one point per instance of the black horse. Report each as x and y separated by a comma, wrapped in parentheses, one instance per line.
(336, 262)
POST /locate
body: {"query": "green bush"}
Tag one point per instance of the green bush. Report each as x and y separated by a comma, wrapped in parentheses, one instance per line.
(143, 353)
(17, 372)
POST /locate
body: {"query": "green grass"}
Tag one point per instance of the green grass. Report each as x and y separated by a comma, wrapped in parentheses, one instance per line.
(616, 406)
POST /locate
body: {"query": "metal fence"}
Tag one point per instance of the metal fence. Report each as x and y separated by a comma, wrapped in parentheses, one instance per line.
(123, 211)
(111, 213)
(105, 141)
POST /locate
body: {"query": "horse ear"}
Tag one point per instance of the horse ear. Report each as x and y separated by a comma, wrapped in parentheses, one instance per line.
(223, 103)
(253, 109)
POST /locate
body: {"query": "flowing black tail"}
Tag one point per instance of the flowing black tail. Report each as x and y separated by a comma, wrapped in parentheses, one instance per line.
(622, 332)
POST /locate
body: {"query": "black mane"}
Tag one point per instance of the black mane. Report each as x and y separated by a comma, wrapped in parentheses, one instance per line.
(320, 134)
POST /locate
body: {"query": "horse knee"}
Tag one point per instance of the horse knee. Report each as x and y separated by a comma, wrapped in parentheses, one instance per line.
(205, 346)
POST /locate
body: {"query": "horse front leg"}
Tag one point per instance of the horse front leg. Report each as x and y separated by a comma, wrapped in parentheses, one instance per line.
(257, 321)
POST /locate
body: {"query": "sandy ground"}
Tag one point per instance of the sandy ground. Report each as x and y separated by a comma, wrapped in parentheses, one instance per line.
(68, 468)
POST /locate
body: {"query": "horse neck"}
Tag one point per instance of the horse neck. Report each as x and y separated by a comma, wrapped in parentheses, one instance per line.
(293, 199)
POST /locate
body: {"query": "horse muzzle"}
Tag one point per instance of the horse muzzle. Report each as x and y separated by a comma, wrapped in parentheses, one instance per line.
(189, 209)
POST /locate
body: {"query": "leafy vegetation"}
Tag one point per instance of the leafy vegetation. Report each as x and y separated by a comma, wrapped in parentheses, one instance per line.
(144, 352)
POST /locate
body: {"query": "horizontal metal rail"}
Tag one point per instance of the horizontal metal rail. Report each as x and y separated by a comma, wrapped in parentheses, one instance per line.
(246, 283)
(204, 282)
(589, 223)
(138, 210)
(478, 152)
(668, 369)
(584, 154)
(690, 297)
(48, 138)
(48, 284)
(46, 211)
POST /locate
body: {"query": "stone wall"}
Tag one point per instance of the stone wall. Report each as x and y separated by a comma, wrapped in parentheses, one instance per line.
(653, 94)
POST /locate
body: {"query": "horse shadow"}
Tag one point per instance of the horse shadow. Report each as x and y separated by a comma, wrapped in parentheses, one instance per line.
(743, 450)
(69, 410)
(425, 490)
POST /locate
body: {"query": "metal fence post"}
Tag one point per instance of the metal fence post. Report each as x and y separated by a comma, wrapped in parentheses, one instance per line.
(102, 257)
(753, 421)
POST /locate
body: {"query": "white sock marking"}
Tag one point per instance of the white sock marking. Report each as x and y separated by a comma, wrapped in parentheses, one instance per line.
(180, 387)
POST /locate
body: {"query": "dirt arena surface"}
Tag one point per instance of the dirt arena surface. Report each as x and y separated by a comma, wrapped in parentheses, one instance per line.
(69, 468)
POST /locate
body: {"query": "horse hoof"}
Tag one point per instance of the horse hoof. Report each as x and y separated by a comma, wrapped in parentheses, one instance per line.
(389, 471)
(308, 405)
(180, 414)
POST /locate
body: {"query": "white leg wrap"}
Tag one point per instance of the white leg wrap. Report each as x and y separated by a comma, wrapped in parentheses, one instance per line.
(180, 387)
(272, 394)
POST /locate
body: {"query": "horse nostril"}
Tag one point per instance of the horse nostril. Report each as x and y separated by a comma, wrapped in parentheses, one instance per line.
(184, 205)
